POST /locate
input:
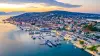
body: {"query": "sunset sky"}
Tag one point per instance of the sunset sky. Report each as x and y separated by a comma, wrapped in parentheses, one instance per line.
(90, 6)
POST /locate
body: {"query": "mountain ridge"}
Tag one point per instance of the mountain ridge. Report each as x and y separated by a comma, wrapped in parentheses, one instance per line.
(56, 14)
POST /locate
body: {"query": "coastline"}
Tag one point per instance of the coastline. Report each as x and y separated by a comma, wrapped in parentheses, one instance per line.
(81, 47)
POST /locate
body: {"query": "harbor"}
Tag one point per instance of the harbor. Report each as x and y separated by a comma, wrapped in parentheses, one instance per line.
(20, 43)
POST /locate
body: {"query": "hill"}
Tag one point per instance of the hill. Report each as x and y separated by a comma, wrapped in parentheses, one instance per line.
(53, 15)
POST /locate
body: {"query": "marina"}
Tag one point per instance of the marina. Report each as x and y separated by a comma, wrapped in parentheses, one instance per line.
(19, 43)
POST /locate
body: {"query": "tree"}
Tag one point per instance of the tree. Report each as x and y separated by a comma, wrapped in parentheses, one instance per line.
(93, 48)
(91, 27)
(81, 42)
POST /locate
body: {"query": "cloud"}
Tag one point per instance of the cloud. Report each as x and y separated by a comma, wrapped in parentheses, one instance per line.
(47, 2)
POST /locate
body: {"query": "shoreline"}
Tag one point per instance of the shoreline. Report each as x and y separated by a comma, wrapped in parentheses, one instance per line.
(80, 46)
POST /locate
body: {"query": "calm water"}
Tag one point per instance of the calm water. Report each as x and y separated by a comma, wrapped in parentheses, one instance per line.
(19, 43)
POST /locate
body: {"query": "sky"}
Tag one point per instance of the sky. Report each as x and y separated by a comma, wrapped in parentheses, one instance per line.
(86, 6)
